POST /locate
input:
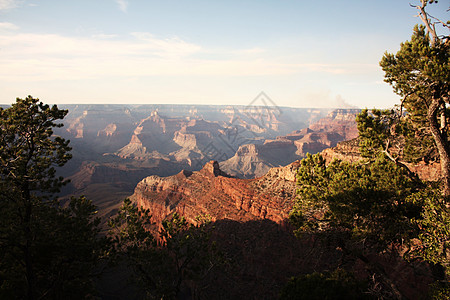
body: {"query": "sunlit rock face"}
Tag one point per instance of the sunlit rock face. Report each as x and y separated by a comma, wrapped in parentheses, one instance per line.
(212, 192)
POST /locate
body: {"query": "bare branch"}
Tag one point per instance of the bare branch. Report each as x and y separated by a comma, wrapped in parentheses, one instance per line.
(404, 99)
(439, 21)
(423, 15)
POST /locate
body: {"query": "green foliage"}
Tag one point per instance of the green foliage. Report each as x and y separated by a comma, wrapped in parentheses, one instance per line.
(419, 144)
(134, 243)
(417, 68)
(420, 73)
(28, 150)
(374, 131)
(406, 138)
(47, 251)
(189, 247)
(371, 207)
(367, 199)
(128, 229)
(64, 250)
(434, 224)
(324, 286)
(183, 252)
(381, 203)
(439, 291)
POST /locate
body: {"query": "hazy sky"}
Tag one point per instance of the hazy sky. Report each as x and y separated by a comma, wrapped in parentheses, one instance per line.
(300, 53)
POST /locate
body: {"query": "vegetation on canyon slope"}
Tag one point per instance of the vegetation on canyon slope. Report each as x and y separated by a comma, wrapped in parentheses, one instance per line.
(162, 264)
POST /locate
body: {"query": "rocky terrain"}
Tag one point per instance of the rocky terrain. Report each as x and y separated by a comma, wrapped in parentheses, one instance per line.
(213, 192)
(188, 135)
(158, 155)
(116, 146)
(253, 160)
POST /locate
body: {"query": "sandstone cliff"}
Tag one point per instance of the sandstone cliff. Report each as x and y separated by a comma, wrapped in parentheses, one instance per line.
(173, 137)
(341, 121)
(212, 192)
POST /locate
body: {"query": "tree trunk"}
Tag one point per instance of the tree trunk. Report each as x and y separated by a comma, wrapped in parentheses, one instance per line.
(28, 257)
(441, 143)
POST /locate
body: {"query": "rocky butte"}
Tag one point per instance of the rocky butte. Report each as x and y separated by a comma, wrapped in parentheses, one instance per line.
(212, 192)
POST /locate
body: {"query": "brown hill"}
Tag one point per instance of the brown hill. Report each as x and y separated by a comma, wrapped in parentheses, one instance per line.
(341, 121)
(212, 192)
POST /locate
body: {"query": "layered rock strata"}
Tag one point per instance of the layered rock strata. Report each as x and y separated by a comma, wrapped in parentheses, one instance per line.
(255, 160)
(212, 192)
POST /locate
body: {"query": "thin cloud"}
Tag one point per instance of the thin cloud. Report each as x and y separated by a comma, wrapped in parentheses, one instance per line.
(103, 36)
(123, 5)
(52, 57)
(37, 57)
(251, 51)
(169, 47)
(5, 26)
(338, 69)
(9, 4)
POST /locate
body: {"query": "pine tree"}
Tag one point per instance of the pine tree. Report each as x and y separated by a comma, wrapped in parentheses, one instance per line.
(420, 73)
(47, 251)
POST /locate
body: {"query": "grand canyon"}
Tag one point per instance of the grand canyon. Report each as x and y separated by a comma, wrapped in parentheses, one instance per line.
(141, 156)
(237, 168)
(115, 147)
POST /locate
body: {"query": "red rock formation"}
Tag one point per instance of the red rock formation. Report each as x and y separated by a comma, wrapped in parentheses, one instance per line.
(341, 121)
(212, 192)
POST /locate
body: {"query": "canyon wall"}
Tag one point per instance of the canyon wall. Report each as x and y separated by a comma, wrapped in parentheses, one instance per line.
(213, 192)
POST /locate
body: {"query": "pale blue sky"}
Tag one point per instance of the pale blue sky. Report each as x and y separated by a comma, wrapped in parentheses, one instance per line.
(300, 53)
